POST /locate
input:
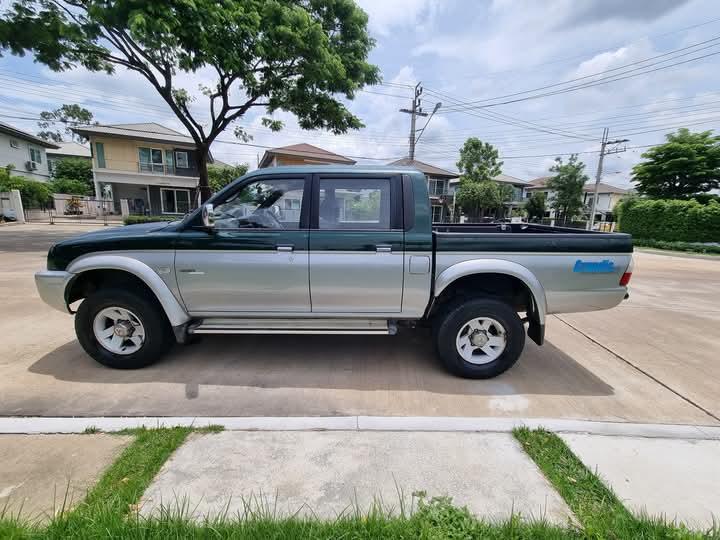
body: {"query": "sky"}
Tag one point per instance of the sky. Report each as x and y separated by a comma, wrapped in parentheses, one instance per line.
(535, 79)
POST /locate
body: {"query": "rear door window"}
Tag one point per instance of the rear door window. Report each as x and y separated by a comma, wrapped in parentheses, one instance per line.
(355, 204)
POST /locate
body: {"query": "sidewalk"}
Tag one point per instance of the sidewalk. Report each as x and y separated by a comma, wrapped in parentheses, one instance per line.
(338, 472)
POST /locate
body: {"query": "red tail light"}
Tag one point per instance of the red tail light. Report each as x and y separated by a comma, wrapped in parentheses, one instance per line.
(625, 279)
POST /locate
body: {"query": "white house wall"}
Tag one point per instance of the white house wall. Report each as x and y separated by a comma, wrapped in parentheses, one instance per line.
(17, 157)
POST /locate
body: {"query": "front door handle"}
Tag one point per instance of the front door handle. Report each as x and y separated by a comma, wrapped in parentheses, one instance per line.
(285, 248)
(383, 248)
(192, 272)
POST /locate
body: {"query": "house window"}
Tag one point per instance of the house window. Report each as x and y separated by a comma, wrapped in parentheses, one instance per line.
(438, 187)
(181, 160)
(150, 160)
(35, 155)
(14, 143)
(437, 214)
(100, 151)
(175, 201)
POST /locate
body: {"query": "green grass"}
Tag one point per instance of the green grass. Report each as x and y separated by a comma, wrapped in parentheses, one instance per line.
(689, 247)
(110, 509)
(598, 509)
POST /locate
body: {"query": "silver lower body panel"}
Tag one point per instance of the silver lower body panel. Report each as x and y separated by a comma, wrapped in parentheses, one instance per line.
(293, 326)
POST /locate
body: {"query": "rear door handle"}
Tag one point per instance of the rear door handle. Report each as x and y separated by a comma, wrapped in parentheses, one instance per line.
(192, 272)
(285, 248)
(383, 248)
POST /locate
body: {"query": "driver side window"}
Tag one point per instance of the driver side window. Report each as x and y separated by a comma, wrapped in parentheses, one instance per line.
(265, 204)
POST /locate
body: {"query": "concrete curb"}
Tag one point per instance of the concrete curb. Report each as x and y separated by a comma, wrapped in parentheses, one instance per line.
(34, 424)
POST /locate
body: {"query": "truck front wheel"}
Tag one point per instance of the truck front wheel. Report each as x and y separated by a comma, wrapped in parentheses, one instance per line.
(480, 338)
(121, 329)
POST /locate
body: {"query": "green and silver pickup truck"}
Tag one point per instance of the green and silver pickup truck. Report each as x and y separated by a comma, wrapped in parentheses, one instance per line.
(330, 250)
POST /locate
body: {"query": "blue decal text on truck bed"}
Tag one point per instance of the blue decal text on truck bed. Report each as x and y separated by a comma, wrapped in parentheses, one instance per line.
(594, 267)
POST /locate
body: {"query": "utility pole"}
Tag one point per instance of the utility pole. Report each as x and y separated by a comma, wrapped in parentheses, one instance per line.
(414, 112)
(603, 152)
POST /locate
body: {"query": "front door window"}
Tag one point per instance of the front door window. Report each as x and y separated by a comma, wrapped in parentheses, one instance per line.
(266, 204)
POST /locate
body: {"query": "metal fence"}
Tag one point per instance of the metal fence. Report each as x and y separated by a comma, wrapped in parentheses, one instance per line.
(74, 209)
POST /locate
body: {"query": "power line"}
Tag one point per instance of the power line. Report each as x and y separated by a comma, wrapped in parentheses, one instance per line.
(712, 41)
(586, 53)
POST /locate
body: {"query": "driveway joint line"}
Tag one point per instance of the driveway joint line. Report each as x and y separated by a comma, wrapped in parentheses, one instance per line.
(439, 424)
(641, 370)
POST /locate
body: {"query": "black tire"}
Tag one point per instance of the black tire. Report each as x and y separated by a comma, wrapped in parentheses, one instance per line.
(454, 320)
(157, 328)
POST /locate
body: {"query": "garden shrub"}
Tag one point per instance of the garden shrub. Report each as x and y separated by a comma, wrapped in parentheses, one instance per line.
(670, 220)
(132, 220)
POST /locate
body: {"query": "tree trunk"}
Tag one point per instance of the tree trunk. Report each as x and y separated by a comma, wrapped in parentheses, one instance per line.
(204, 183)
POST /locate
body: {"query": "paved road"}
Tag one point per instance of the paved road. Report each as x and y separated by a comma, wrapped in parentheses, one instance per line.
(664, 372)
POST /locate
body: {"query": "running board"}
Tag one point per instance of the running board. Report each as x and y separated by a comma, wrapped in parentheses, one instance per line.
(294, 326)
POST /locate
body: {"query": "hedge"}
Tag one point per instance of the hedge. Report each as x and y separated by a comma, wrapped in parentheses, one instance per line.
(670, 220)
(133, 220)
(693, 247)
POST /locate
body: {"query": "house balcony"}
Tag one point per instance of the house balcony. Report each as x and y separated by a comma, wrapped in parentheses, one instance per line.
(144, 173)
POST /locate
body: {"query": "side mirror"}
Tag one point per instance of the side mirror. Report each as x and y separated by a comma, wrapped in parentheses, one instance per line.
(208, 216)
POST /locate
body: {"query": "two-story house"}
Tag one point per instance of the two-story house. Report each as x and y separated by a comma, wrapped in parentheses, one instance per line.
(66, 150)
(439, 187)
(25, 152)
(518, 191)
(608, 197)
(301, 154)
(540, 185)
(151, 167)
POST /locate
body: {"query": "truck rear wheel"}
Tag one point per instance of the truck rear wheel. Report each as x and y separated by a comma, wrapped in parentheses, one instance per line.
(120, 329)
(480, 338)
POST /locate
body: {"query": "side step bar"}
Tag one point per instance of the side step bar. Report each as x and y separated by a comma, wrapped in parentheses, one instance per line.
(294, 326)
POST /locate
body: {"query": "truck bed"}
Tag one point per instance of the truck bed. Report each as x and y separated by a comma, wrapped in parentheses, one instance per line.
(526, 237)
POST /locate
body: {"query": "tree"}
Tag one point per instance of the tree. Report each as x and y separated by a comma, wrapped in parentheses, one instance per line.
(478, 165)
(568, 184)
(68, 116)
(535, 206)
(476, 197)
(74, 169)
(687, 164)
(291, 55)
(32, 193)
(506, 193)
(221, 176)
(478, 160)
(70, 186)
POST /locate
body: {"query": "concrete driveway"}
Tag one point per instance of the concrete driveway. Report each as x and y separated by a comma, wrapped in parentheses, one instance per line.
(654, 359)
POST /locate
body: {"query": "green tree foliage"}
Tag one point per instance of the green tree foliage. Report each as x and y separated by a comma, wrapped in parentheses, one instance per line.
(65, 117)
(670, 220)
(478, 164)
(364, 208)
(32, 193)
(475, 198)
(687, 164)
(291, 55)
(70, 186)
(74, 169)
(479, 160)
(222, 176)
(535, 206)
(568, 184)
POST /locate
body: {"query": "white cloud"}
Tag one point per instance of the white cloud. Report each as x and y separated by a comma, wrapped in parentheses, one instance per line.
(385, 15)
